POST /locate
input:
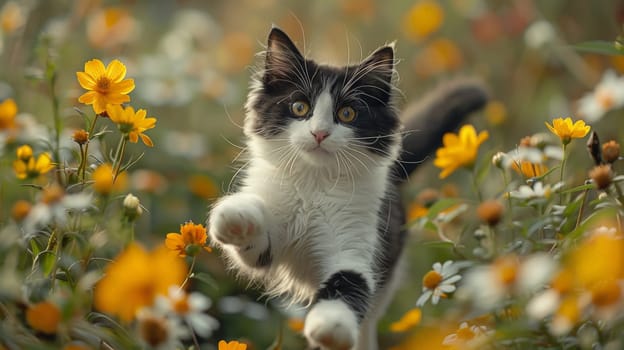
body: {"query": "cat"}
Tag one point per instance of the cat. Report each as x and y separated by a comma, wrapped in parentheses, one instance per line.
(317, 216)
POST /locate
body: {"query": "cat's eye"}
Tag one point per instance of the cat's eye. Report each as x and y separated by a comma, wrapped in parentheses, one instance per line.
(300, 108)
(346, 114)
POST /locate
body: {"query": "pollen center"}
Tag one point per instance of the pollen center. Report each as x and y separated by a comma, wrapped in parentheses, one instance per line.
(605, 99)
(154, 331)
(181, 306)
(102, 85)
(432, 279)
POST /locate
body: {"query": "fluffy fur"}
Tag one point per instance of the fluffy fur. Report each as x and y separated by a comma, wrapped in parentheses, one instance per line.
(317, 217)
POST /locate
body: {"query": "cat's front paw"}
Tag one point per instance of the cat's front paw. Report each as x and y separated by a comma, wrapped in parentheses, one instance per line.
(237, 219)
(331, 325)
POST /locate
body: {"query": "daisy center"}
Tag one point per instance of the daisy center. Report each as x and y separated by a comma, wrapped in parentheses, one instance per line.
(507, 271)
(465, 333)
(432, 279)
(605, 99)
(154, 331)
(103, 85)
(181, 306)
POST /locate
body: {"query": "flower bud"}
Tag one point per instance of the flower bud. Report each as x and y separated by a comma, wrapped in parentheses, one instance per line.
(80, 136)
(610, 151)
(24, 153)
(602, 176)
(20, 210)
(490, 212)
(132, 207)
(498, 160)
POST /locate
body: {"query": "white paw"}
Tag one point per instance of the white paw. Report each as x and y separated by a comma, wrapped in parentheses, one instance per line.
(237, 219)
(331, 325)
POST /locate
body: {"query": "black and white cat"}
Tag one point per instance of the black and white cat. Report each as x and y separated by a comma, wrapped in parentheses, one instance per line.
(317, 217)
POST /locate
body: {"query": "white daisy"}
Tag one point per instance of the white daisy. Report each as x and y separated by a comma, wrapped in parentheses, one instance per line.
(53, 207)
(538, 190)
(468, 337)
(486, 286)
(438, 282)
(191, 308)
(158, 331)
(608, 95)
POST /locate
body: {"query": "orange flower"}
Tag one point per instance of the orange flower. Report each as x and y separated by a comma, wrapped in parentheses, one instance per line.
(8, 111)
(134, 280)
(422, 20)
(131, 123)
(189, 241)
(233, 345)
(106, 85)
(409, 320)
(44, 317)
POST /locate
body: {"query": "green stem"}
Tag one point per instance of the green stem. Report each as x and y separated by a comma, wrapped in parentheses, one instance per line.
(121, 147)
(580, 213)
(190, 273)
(58, 122)
(475, 186)
(83, 164)
(561, 171)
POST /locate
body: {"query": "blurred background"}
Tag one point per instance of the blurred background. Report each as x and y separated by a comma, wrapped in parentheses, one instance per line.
(192, 60)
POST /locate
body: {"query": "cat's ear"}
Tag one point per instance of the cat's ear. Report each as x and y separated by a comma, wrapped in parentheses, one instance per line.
(282, 54)
(380, 63)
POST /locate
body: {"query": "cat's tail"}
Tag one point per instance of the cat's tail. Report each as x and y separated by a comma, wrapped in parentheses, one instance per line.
(438, 112)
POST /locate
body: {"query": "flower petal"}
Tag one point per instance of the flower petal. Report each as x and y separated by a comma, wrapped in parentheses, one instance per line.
(85, 80)
(116, 71)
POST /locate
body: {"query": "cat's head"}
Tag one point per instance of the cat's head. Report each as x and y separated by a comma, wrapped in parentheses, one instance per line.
(302, 111)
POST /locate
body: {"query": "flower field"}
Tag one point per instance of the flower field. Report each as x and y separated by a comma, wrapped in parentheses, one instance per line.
(120, 125)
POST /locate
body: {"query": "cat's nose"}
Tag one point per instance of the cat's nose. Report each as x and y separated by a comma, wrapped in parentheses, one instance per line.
(320, 135)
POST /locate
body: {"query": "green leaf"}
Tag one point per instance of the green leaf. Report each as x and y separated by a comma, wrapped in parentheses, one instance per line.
(440, 206)
(34, 247)
(598, 46)
(605, 214)
(47, 260)
(205, 278)
(578, 188)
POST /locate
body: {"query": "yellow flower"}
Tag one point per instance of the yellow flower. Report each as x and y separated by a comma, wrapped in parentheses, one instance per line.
(233, 345)
(28, 166)
(44, 317)
(131, 123)
(134, 280)
(189, 241)
(459, 150)
(106, 85)
(103, 180)
(24, 153)
(606, 254)
(410, 319)
(568, 131)
(8, 111)
(423, 19)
